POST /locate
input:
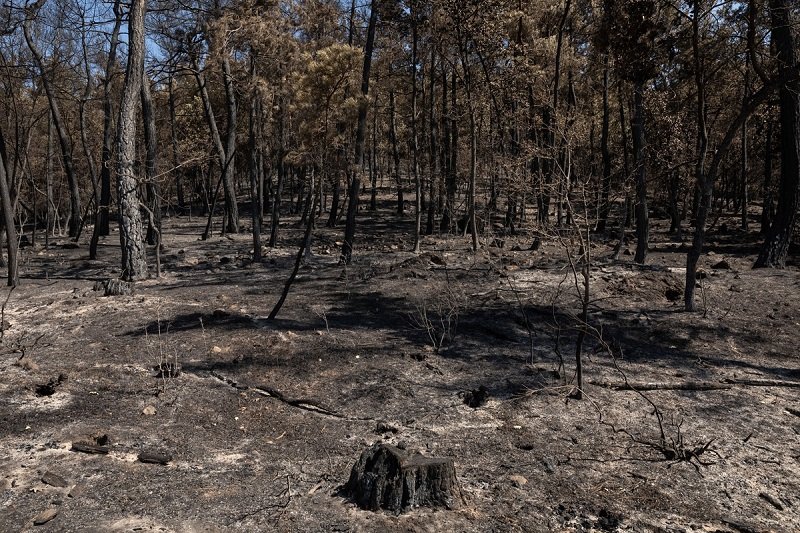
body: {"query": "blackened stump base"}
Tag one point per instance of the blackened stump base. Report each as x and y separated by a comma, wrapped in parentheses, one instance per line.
(386, 477)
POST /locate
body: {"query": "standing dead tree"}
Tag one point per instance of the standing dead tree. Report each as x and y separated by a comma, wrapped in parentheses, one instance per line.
(134, 259)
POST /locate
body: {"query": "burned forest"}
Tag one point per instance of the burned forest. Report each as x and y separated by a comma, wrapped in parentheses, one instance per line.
(400, 265)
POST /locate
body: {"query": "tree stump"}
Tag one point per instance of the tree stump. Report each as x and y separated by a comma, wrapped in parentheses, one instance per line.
(386, 477)
(114, 287)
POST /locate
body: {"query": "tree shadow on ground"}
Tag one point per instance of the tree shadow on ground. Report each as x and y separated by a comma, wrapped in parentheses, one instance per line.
(217, 319)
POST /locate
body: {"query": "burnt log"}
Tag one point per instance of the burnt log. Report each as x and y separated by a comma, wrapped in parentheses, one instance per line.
(386, 477)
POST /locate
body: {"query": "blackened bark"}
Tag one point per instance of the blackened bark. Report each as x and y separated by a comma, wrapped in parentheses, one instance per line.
(231, 206)
(58, 120)
(255, 196)
(174, 138)
(224, 157)
(106, 165)
(767, 208)
(744, 198)
(776, 244)
(358, 163)
(449, 201)
(281, 164)
(150, 175)
(605, 154)
(639, 149)
(87, 93)
(414, 134)
(131, 234)
(386, 477)
(395, 154)
(312, 201)
(51, 212)
(434, 156)
(8, 222)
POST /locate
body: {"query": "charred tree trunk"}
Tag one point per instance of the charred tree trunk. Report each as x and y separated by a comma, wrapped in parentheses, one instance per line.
(306, 242)
(389, 478)
(639, 147)
(255, 195)
(151, 181)
(228, 178)
(225, 155)
(395, 154)
(447, 211)
(605, 154)
(705, 184)
(776, 244)
(58, 121)
(87, 93)
(434, 156)
(51, 212)
(452, 178)
(103, 218)
(358, 162)
(373, 159)
(174, 139)
(414, 134)
(8, 222)
(626, 171)
(766, 211)
(744, 198)
(278, 192)
(131, 234)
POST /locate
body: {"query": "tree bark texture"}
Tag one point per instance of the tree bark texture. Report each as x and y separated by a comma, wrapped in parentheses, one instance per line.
(131, 234)
(776, 244)
(358, 163)
(58, 121)
(386, 477)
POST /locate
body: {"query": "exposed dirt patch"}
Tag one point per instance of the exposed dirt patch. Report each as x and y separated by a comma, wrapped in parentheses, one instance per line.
(265, 419)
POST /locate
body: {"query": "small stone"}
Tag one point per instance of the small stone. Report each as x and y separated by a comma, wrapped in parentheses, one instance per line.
(517, 480)
(77, 491)
(45, 516)
(149, 410)
(54, 480)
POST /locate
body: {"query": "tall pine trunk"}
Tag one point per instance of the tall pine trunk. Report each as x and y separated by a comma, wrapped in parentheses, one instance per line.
(58, 120)
(131, 234)
(358, 162)
(106, 166)
(776, 244)
(639, 147)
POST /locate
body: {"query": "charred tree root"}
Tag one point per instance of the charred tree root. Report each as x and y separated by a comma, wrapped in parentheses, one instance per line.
(388, 478)
(300, 403)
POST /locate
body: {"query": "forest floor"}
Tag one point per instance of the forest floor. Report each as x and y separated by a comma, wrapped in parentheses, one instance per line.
(266, 418)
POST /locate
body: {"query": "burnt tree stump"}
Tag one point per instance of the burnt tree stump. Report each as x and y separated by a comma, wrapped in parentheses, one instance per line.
(386, 477)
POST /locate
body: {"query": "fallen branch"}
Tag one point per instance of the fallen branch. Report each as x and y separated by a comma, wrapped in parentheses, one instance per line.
(683, 385)
(300, 403)
(763, 382)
